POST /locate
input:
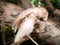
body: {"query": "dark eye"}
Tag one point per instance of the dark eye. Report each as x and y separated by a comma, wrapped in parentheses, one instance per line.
(1, 12)
(41, 19)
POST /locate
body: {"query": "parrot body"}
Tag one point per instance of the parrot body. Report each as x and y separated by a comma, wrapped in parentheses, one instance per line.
(25, 29)
(26, 20)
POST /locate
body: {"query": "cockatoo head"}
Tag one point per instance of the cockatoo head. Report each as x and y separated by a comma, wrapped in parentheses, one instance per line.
(41, 12)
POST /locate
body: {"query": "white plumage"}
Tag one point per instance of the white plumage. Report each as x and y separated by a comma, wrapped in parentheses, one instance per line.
(25, 29)
(29, 17)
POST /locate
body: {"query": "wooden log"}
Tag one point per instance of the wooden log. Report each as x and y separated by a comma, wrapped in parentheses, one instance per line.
(11, 11)
(52, 8)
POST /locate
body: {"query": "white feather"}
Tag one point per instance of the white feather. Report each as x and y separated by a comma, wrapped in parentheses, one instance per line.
(27, 25)
(25, 29)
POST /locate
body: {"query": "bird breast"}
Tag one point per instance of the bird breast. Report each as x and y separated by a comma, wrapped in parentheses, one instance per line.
(27, 26)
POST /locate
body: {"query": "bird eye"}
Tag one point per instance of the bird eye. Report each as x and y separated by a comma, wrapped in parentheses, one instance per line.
(41, 19)
(1, 12)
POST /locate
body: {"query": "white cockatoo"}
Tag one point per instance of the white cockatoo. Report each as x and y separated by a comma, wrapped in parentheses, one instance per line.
(25, 22)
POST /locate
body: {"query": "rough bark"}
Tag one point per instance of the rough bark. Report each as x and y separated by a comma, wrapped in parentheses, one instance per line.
(11, 11)
(52, 33)
(26, 4)
(52, 8)
(10, 17)
(2, 28)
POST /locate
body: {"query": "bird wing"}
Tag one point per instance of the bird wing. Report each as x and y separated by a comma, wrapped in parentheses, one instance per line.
(25, 29)
(20, 18)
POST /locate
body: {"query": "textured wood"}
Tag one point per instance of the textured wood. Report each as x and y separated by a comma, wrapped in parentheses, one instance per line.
(3, 29)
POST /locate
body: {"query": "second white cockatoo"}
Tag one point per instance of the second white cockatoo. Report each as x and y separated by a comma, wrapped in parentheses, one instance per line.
(26, 20)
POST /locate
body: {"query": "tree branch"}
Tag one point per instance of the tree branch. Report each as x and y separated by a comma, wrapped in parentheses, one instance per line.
(52, 8)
